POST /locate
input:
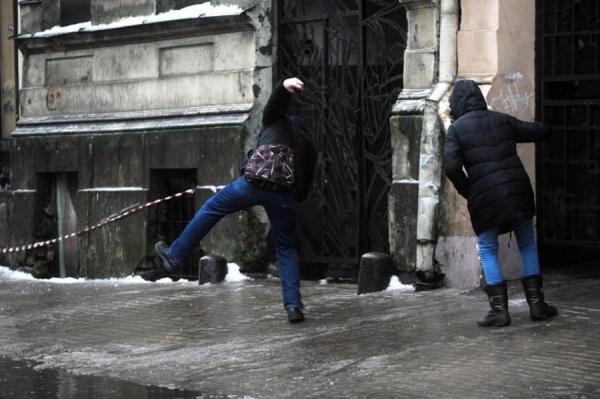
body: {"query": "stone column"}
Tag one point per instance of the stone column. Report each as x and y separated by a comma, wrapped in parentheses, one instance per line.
(420, 73)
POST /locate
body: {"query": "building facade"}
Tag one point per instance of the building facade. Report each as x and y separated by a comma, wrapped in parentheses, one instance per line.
(121, 103)
(152, 97)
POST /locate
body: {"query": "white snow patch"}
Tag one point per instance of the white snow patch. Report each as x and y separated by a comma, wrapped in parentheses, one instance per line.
(406, 181)
(214, 189)
(396, 285)
(112, 189)
(203, 10)
(517, 302)
(6, 274)
(234, 274)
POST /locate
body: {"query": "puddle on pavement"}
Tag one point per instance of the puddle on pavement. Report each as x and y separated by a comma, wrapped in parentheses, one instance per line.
(19, 379)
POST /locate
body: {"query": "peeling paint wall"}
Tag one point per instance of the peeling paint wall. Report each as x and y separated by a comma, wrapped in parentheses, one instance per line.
(175, 73)
(219, 74)
(7, 71)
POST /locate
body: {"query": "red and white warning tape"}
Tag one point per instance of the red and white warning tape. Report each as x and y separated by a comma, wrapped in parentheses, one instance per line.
(110, 219)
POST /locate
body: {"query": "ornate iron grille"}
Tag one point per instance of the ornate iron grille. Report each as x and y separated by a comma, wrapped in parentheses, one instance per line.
(569, 102)
(350, 54)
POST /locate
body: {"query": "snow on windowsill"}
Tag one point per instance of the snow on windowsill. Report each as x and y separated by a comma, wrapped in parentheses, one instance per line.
(204, 10)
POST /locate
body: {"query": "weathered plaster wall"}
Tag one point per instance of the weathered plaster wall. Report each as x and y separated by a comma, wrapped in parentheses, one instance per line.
(113, 172)
(176, 73)
(7, 70)
(100, 76)
(495, 48)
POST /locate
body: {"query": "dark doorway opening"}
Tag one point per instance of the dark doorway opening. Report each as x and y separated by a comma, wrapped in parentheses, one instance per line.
(168, 5)
(350, 55)
(4, 164)
(168, 219)
(568, 101)
(55, 216)
(74, 12)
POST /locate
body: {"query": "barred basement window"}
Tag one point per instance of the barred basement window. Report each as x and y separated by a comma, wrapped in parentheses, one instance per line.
(168, 219)
(74, 12)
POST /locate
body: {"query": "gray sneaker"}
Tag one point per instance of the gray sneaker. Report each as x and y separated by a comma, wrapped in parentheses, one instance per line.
(164, 265)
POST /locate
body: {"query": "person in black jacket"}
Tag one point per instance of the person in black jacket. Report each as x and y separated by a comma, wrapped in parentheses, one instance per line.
(282, 163)
(499, 193)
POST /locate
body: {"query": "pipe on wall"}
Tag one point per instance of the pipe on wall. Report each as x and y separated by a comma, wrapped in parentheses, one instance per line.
(435, 117)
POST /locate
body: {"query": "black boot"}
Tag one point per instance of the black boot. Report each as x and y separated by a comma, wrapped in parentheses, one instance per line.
(498, 298)
(295, 315)
(538, 309)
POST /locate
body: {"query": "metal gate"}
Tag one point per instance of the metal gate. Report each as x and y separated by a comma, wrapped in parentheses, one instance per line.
(568, 64)
(350, 54)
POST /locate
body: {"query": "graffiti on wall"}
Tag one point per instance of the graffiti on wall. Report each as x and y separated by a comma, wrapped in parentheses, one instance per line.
(511, 95)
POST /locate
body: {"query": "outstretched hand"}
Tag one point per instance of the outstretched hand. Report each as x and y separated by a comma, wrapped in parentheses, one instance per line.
(293, 84)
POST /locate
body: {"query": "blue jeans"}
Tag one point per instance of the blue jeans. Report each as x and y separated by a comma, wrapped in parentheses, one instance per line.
(487, 245)
(238, 195)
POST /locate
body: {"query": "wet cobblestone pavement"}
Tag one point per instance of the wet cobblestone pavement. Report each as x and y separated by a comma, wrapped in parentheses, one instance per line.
(233, 340)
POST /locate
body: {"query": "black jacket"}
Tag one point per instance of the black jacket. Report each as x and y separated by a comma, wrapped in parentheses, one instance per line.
(278, 128)
(496, 186)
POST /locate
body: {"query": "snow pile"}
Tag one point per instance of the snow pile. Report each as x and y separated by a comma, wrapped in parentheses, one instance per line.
(203, 10)
(396, 285)
(6, 274)
(234, 274)
(11, 275)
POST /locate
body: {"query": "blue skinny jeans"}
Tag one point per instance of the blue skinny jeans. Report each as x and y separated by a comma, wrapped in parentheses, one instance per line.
(238, 195)
(487, 245)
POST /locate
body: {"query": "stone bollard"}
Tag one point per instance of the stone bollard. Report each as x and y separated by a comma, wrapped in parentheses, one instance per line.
(376, 269)
(213, 269)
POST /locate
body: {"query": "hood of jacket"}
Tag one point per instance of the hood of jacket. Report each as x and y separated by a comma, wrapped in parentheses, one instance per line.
(466, 97)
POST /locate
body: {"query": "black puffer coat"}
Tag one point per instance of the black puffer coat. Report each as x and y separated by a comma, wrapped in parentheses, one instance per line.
(495, 185)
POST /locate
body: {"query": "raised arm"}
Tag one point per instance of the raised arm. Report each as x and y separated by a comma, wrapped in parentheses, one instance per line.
(526, 132)
(453, 163)
(280, 100)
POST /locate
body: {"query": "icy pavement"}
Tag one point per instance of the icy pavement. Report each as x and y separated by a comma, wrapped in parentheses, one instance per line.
(233, 339)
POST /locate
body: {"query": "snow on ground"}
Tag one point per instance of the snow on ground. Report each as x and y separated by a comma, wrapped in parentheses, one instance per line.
(203, 10)
(234, 274)
(517, 302)
(6, 274)
(395, 284)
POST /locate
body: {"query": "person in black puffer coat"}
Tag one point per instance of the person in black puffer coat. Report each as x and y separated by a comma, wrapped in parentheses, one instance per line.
(498, 191)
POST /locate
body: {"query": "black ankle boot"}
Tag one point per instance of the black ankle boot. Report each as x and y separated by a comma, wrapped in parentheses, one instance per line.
(498, 298)
(538, 309)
